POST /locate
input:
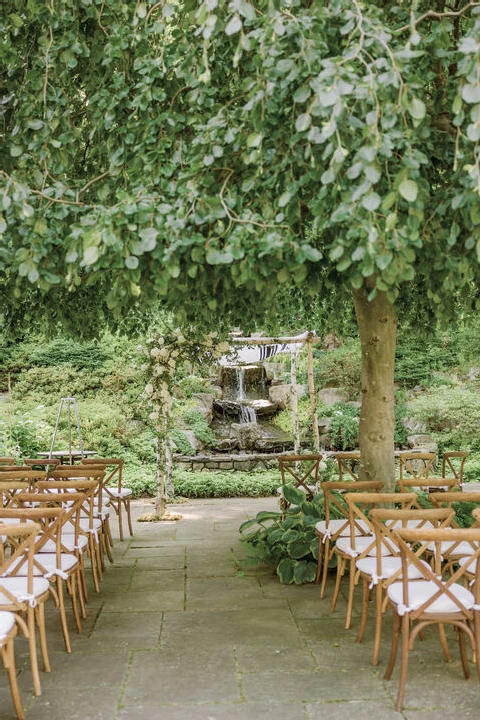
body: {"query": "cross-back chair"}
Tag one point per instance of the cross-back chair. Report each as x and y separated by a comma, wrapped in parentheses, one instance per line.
(383, 569)
(301, 471)
(82, 530)
(347, 465)
(352, 548)
(115, 494)
(464, 504)
(8, 632)
(436, 599)
(336, 523)
(427, 485)
(453, 462)
(416, 464)
(50, 561)
(24, 595)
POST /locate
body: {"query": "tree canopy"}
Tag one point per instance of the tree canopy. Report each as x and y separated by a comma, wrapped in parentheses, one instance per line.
(207, 155)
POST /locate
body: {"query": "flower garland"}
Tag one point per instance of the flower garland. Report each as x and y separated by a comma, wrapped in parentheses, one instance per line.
(165, 353)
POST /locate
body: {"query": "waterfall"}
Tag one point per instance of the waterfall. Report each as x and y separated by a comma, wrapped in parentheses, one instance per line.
(248, 414)
(240, 373)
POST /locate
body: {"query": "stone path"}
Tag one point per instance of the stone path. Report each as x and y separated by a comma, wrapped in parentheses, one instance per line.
(178, 632)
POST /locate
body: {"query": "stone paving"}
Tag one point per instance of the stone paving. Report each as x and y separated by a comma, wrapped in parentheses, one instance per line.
(180, 631)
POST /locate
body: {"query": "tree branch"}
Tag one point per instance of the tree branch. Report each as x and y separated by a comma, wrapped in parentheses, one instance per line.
(438, 16)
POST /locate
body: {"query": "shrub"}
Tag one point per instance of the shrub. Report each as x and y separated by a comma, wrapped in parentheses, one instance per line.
(68, 352)
(286, 541)
(344, 423)
(452, 416)
(213, 483)
(340, 368)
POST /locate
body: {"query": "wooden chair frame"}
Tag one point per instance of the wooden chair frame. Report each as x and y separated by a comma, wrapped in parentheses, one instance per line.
(21, 541)
(375, 578)
(449, 464)
(118, 497)
(412, 613)
(304, 470)
(407, 468)
(345, 462)
(8, 620)
(330, 529)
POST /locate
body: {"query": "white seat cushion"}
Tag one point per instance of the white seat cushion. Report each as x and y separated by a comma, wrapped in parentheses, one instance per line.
(340, 524)
(362, 542)
(121, 494)
(7, 622)
(420, 590)
(17, 586)
(49, 562)
(68, 541)
(389, 566)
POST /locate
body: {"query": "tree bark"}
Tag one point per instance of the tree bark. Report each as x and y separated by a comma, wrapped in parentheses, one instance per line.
(377, 326)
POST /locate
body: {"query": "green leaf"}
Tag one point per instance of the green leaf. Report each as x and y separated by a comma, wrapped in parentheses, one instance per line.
(471, 93)
(371, 201)
(304, 572)
(293, 495)
(254, 140)
(299, 547)
(131, 262)
(408, 189)
(234, 26)
(90, 255)
(303, 122)
(285, 571)
(417, 109)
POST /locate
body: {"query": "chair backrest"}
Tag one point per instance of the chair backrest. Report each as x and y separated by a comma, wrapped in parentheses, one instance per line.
(429, 484)
(453, 463)
(7, 460)
(360, 505)
(347, 463)
(20, 540)
(303, 469)
(416, 464)
(41, 463)
(416, 545)
(113, 470)
(463, 502)
(49, 520)
(15, 481)
(386, 521)
(336, 506)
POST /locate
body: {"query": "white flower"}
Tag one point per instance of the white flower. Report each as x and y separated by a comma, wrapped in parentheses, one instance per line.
(149, 389)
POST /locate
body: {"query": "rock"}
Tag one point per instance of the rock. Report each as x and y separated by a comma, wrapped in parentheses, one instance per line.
(279, 395)
(204, 402)
(247, 434)
(332, 396)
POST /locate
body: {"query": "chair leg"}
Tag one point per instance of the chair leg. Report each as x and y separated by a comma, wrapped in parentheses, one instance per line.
(63, 615)
(32, 642)
(8, 654)
(336, 591)
(405, 625)
(365, 603)
(393, 648)
(352, 581)
(42, 634)
(326, 559)
(129, 515)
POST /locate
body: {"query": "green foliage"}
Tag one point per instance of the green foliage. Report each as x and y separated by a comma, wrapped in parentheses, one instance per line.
(340, 368)
(194, 420)
(344, 422)
(189, 385)
(416, 363)
(216, 483)
(181, 442)
(471, 470)
(286, 541)
(451, 415)
(67, 352)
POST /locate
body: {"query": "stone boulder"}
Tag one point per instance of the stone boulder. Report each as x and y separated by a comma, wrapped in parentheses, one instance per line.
(332, 396)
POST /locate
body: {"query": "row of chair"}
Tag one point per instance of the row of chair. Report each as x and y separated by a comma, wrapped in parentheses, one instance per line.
(51, 517)
(413, 558)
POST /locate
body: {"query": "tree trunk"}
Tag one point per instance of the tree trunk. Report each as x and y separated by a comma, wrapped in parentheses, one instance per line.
(377, 327)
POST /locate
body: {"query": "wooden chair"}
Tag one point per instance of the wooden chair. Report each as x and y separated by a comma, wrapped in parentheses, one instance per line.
(77, 479)
(303, 470)
(453, 463)
(435, 599)
(25, 596)
(50, 561)
(41, 463)
(427, 485)
(416, 464)
(115, 495)
(350, 549)
(347, 462)
(381, 569)
(8, 632)
(336, 523)
(463, 503)
(7, 461)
